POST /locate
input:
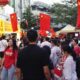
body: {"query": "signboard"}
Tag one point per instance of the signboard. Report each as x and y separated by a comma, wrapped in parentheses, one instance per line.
(7, 26)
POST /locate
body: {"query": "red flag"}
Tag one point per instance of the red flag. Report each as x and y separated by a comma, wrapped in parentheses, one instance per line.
(14, 22)
(43, 33)
(4, 2)
(44, 22)
(78, 15)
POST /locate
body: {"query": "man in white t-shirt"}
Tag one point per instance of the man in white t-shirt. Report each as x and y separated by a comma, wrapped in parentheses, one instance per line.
(3, 46)
(55, 53)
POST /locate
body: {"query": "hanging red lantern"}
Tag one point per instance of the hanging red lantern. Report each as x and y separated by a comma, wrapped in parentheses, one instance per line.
(4, 2)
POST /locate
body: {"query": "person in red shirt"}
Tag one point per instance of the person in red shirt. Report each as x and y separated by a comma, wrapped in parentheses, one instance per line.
(76, 47)
(9, 61)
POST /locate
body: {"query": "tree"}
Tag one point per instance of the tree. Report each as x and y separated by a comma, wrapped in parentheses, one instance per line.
(31, 20)
(65, 13)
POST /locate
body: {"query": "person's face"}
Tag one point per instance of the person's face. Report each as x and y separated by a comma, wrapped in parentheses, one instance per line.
(73, 42)
(10, 43)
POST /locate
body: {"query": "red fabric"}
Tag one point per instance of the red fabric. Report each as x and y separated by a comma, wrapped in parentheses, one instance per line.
(43, 33)
(44, 22)
(78, 15)
(77, 50)
(53, 34)
(9, 59)
(59, 69)
(4, 2)
(58, 72)
(14, 22)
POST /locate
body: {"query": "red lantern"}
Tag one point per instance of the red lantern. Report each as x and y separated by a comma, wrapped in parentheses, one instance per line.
(4, 2)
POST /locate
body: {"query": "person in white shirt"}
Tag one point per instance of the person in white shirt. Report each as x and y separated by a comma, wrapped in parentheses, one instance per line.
(3, 46)
(55, 52)
(69, 66)
(46, 43)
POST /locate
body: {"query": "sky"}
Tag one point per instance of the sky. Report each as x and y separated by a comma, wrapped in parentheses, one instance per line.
(50, 2)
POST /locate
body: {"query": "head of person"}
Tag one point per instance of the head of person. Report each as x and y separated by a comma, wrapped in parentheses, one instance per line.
(3, 36)
(47, 39)
(11, 43)
(66, 49)
(69, 51)
(32, 35)
(54, 42)
(74, 42)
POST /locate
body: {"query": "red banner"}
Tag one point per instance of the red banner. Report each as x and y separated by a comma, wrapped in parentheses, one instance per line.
(4, 2)
(44, 22)
(14, 22)
(78, 15)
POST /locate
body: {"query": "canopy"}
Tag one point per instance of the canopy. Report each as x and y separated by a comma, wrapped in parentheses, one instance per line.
(67, 29)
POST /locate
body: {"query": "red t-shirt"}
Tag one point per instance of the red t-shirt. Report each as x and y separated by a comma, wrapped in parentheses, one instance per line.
(10, 58)
(77, 50)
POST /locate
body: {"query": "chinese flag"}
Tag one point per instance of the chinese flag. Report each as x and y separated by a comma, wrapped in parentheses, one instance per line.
(14, 22)
(44, 22)
(78, 14)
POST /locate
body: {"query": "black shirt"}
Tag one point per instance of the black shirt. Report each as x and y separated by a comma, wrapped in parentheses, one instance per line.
(31, 61)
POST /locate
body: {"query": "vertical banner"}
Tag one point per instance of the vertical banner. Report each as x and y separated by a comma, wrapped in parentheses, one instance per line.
(14, 22)
(78, 15)
(44, 22)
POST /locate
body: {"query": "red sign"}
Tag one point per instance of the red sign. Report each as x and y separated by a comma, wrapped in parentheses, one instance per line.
(4, 2)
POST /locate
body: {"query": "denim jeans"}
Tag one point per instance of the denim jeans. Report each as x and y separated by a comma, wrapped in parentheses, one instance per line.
(8, 74)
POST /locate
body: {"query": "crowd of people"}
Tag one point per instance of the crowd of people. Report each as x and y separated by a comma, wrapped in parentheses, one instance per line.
(39, 58)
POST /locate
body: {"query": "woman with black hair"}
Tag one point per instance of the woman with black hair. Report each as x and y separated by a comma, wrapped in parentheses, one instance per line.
(69, 64)
(9, 61)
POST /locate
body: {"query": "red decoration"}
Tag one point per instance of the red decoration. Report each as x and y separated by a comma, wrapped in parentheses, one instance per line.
(44, 22)
(53, 33)
(4, 2)
(43, 33)
(78, 15)
(14, 22)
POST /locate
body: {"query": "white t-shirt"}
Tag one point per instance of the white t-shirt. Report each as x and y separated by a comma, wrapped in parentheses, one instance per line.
(46, 43)
(69, 69)
(55, 55)
(3, 45)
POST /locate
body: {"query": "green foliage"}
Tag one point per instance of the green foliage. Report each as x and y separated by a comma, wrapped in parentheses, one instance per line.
(65, 13)
(30, 19)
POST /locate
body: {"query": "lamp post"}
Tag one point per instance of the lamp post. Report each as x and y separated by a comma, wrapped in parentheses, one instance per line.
(14, 5)
(20, 10)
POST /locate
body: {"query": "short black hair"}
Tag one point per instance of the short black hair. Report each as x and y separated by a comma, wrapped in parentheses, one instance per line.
(47, 39)
(76, 40)
(54, 41)
(32, 35)
(67, 48)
